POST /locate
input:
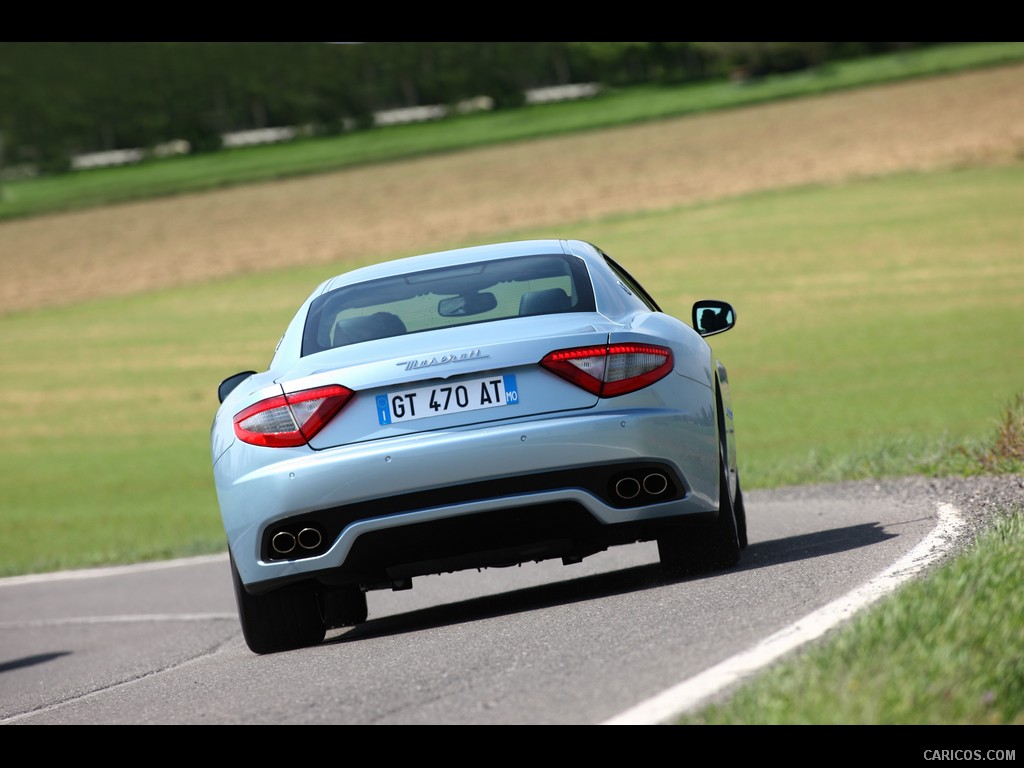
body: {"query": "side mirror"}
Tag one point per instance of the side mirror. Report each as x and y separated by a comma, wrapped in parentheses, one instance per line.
(231, 382)
(711, 316)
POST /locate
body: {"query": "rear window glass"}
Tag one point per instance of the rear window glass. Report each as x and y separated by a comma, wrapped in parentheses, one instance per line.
(462, 294)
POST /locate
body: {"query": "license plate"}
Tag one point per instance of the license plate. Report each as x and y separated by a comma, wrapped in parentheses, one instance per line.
(441, 399)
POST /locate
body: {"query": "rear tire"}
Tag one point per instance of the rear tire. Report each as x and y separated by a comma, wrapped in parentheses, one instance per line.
(725, 547)
(740, 511)
(693, 550)
(345, 607)
(683, 551)
(687, 551)
(283, 619)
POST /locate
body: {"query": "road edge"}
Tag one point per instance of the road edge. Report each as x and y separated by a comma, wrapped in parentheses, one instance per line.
(700, 689)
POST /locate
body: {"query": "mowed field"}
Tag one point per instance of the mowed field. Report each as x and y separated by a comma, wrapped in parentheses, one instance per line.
(370, 213)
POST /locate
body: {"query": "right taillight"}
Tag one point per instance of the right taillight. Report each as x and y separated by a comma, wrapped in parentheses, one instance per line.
(613, 369)
(286, 421)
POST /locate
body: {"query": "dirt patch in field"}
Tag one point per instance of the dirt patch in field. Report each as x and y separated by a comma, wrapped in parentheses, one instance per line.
(404, 208)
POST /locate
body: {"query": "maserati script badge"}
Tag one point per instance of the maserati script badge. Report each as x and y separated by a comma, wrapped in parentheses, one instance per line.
(412, 365)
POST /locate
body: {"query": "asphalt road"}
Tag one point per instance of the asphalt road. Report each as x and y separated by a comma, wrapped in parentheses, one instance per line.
(537, 644)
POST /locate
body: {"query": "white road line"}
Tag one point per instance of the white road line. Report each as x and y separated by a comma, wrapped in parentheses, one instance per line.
(113, 570)
(690, 694)
(134, 619)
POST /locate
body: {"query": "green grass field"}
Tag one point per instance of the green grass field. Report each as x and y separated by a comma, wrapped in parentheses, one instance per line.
(880, 324)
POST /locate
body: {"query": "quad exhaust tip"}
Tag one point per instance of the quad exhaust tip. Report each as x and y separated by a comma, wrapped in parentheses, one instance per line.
(629, 487)
(283, 542)
(286, 542)
(309, 538)
(655, 484)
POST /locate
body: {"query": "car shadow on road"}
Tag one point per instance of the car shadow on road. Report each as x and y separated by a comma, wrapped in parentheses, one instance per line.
(29, 661)
(818, 544)
(759, 554)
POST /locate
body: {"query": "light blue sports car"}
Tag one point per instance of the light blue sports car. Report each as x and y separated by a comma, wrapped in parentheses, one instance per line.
(472, 408)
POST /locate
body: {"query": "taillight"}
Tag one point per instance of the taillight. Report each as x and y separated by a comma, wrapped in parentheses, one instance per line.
(285, 421)
(611, 370)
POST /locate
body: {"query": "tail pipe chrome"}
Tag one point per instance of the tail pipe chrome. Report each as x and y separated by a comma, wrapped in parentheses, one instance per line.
(309, 538)
(641, 486)
(284, 542)
(628, 488)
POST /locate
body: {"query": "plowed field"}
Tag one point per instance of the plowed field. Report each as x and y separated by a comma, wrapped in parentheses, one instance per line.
(402, 208)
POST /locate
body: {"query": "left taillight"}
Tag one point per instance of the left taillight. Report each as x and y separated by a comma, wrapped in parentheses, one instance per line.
(286, 421)
(613, 369)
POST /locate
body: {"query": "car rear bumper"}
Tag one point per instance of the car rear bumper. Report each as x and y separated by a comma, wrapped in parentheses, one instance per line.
(533, 467)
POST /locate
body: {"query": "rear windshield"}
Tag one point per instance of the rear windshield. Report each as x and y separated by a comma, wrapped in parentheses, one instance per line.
(442, 298)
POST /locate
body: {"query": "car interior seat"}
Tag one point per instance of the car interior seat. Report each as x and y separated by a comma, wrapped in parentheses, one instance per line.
(379, 325)
(544, 302)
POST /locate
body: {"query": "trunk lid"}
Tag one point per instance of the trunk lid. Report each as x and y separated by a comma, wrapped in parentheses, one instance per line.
(449, 378)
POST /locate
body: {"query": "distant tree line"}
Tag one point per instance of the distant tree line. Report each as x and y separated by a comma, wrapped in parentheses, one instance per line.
(61, 99)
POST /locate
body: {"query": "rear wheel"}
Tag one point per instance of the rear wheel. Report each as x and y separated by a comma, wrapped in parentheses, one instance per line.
(693, 550)
(280, 620)
(725, 547)
(740, 510)
(345, 607)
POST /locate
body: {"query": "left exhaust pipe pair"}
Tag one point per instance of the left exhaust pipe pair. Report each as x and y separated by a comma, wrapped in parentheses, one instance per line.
(286, 542)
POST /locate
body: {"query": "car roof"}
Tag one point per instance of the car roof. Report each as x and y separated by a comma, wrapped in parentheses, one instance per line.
(466, 255)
